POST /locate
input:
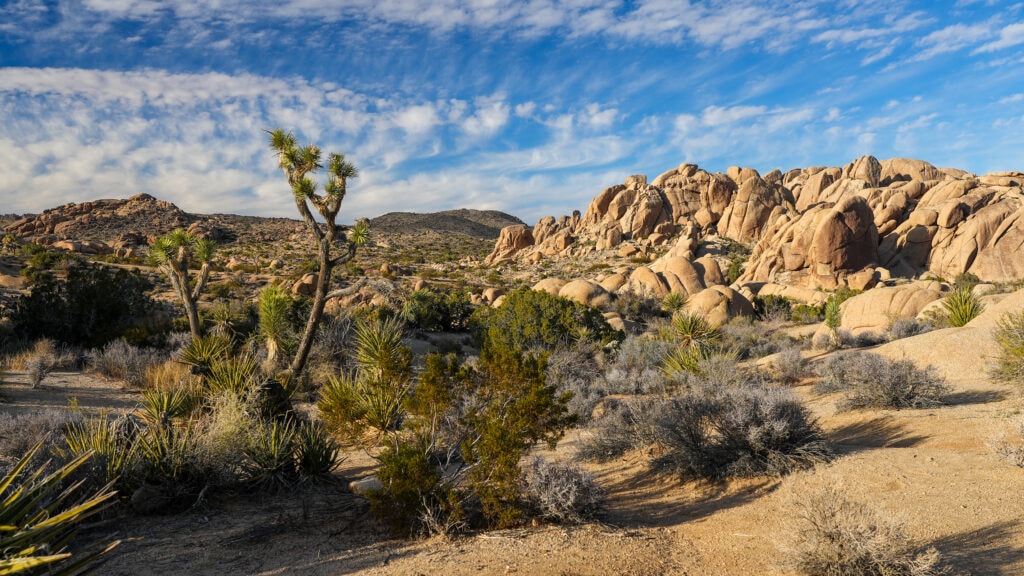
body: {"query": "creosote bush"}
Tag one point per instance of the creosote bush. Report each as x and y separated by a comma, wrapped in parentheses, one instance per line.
(836, 536)
(869, 380)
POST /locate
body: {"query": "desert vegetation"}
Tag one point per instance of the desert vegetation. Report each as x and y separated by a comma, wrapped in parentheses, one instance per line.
(456, 397)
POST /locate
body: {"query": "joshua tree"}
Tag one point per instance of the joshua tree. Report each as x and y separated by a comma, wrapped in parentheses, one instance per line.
(174, 253)
(298, 162)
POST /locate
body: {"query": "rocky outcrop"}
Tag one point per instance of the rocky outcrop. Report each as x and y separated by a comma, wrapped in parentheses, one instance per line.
(874, 310)
(718, 304)
(511, 240)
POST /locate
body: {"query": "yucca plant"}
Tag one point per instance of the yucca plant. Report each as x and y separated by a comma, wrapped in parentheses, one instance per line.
(673, 302)
(692, 329)
(684, 360)
(168, 458)
(114, 453)
(1009, 335)
(833, 319)
(202, 352)
(270, 456)
(380, 352)
(961, 306)
(40, 515)
(317, 454)
(274, 304)
(233, 374)
(160, 407)
(349, 404)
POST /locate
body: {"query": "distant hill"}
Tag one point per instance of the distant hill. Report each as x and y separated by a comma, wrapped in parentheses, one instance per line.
(476, 223)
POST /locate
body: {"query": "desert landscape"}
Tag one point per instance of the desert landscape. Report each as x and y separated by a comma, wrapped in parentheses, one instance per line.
(809, 372)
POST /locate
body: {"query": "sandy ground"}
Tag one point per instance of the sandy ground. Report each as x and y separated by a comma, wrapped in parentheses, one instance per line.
(932, 469)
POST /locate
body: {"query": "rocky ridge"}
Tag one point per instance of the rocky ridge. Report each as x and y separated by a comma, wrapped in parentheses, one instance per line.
(811, 229)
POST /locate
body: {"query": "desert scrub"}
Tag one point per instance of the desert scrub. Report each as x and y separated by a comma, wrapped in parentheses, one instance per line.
(562, 492)
(20, 432)
(836, 536)
(1009, 335)
(122, 361)
(789, 365)
(414, 497)
(715, 432)
(906, 327)
(636, 366)
(576, 370)
(869, 380)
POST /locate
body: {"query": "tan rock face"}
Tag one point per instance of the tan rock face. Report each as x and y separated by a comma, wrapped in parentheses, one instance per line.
(720, 303)
(874, 310)
(511, 240)
(586, 292)
(846, 239)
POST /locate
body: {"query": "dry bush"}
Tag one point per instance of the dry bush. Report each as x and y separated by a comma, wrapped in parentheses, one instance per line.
(907, 327)
(561, 492)
(869, 380)
(20, 432)
(1010, 446)
(834, 536)
(716, 433)
(122, 361)
(636, 366)
(626, 426)
(575, 369)
(789, 365)
(169, 376)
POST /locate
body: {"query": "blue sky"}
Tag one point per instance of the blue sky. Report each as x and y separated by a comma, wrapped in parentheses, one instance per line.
(532, 106)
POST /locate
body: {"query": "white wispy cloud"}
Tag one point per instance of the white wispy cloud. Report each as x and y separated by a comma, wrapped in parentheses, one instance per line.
(1009, 36)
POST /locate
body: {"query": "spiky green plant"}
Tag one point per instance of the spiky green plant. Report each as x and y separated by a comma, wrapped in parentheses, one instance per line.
(317, 454)
(270, 456)
(160, 407)
(692, 329)
(673, 302)
(168, 457)
(234, 374)
(274, 304)
(833, 319)
(1009, 335)
(114, 453)
(202, 352)
(684, 360)
(40, 515)
(380, 352)
(961, 306)
(349, 404)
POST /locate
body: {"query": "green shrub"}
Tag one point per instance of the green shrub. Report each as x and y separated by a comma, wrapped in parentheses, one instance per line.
(773, 308)
(966, 281)
(519, 409)
(437, 311)
(530, 319)
(414, 498)
(807, 314)
(961, 306)
(869, 380)
(92, 307)
(1009, 335)
(114, 452)
(40, 516)
(201, 353)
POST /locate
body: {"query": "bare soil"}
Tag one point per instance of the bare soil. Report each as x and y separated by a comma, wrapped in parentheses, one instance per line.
(932, 469)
